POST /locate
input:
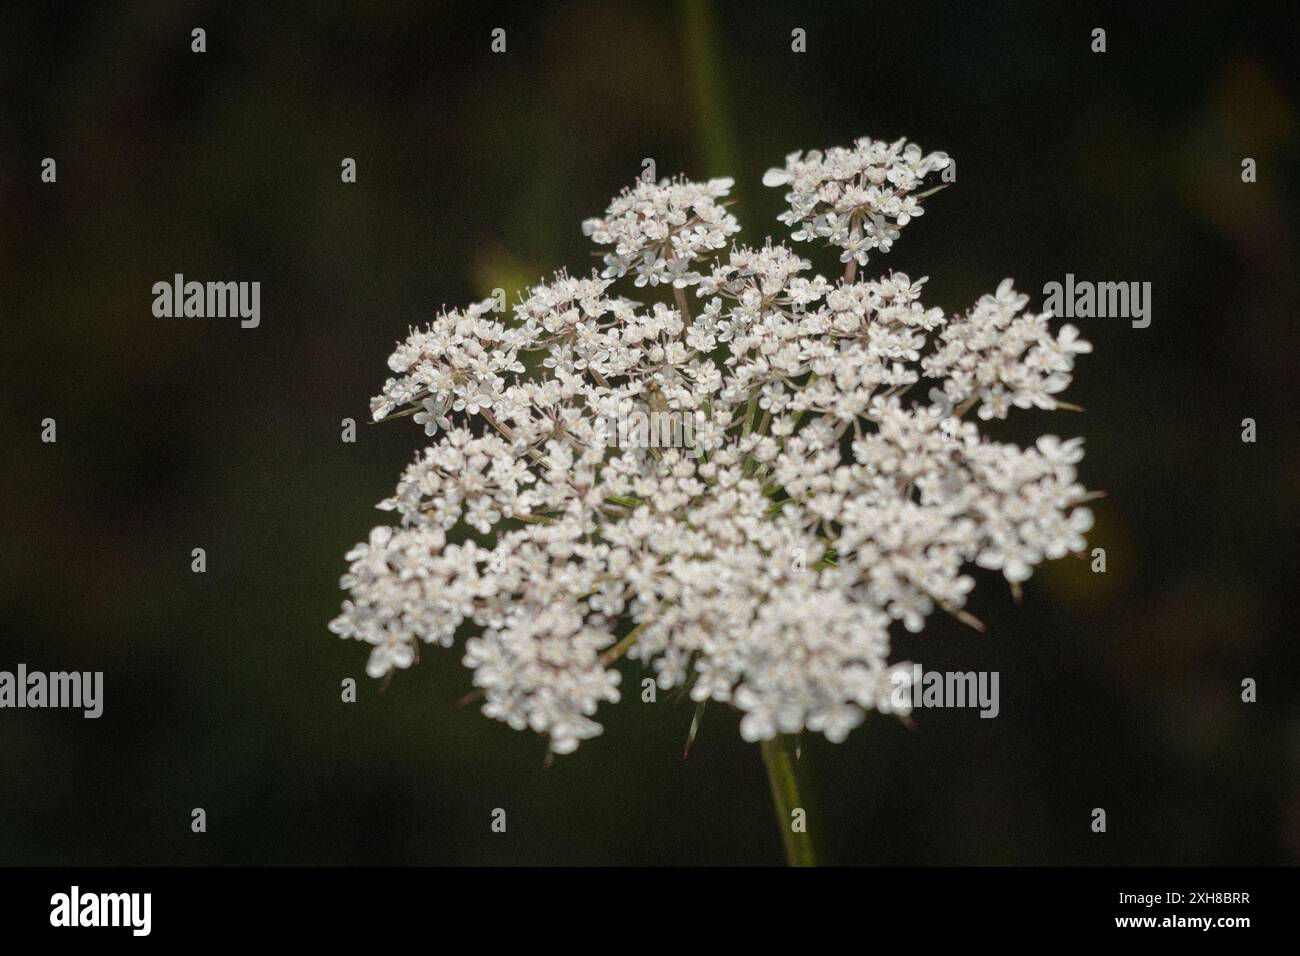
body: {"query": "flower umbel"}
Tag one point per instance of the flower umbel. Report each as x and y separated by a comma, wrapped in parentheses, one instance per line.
(821, 502)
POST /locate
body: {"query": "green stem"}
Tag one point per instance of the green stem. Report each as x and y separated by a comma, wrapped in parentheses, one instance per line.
(684, 308)
(705, 69)
(785, 796)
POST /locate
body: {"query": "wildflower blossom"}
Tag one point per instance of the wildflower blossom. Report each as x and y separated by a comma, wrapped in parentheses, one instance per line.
(659, 230)
(858, 199)
(765, 566)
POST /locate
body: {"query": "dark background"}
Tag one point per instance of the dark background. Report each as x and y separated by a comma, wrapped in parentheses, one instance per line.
(1119, 691)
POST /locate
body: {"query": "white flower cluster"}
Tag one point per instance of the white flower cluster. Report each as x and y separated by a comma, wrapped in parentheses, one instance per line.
(659, 231)
(763, 566)
(857, 199)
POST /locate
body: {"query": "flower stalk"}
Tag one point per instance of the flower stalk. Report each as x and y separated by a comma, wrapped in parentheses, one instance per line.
(784, 782)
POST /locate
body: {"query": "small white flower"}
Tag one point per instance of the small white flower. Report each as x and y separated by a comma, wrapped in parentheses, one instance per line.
(395, 651)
